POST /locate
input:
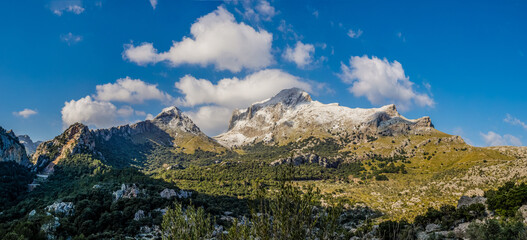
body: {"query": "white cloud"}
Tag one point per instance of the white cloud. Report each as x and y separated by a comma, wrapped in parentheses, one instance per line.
(142, 54)
(131, 91)
(149, 117)
(70, 38)
(90, 112)
(125, 111)
(494, 139)
(25, 113)
(234, 92)
(354, 34)
(255, 10)
(212, 120)
(515, 121)
(382, 82)
(73, 6)
(287, 31)
(217, 39)
(301, 55)
(222, 98)
(153, 3)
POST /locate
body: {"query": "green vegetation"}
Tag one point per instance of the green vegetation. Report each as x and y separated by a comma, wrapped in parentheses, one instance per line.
(286, 212)
(190, 223)
(507, 199)
(494, 229)
(13, 182)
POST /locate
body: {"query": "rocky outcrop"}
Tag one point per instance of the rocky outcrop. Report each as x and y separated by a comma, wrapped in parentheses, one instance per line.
(76, 139)
(292, 115)
(30, 146)
(308, 158)
(140, 214)
(128, 191)
(49, 228)
(467, 201)
(170, 193)
(11, 149)
(61, 208)
(169, 128)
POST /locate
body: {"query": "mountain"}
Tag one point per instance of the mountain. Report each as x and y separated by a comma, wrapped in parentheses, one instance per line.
(31, 146)
(170, 128)
(292, 115)
(76, 139)
(129, 144)
(11, 149)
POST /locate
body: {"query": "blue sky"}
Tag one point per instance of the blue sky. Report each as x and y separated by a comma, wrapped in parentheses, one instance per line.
(113, 62)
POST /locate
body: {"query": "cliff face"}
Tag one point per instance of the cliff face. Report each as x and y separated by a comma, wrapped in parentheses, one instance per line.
(292, 115)
(11, 149)
(76, 139)
(169, 128)
(30, 146)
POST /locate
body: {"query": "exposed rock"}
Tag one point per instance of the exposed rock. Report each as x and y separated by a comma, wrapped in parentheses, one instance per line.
(11, 149)
(140, 214)
(467, 201)
(523, 212)
(170, 193)
(61, 208)
(460, 231)
(128, 191)
(50, 228)
(30, 146)
(432, 227)
(32, 213)
(292, 114)
(169, 128)
(76, 139)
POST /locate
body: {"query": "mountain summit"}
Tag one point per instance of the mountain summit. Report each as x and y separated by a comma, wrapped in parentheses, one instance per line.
(292, 115)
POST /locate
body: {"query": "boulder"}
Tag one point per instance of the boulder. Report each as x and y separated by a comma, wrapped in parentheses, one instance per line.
(128, 191)
(432, 227)
(467, 201)
(140, 214)
(523, 212)
(61, 208)
(170, 193)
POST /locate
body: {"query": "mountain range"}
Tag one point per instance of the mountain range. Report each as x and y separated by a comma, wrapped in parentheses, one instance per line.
(289, 116)
(384, 166)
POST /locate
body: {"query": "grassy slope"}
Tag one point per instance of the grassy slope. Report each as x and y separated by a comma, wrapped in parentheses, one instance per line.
(455, 169)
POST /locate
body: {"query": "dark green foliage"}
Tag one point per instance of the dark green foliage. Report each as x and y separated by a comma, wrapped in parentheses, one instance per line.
(494, 229)
(189, 223)
(14, 180)
(449, 216)
(507, 199)
(390, 230)
(122, 152)
(97, 215)
(381, 177)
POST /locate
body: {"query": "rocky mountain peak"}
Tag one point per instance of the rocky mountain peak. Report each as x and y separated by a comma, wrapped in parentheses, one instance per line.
(28, 143)
(76, 139)
(293, 115)
(289, 97)
(173, 119)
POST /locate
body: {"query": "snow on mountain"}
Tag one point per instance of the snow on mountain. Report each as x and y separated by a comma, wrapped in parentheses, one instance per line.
(292, 115)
